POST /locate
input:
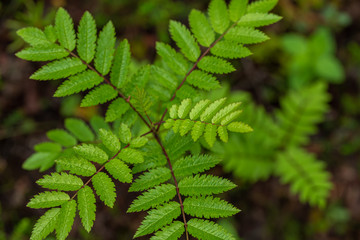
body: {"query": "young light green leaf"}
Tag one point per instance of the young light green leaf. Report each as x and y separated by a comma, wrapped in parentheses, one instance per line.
(87, 207)
(215, 65)
(76, 165)
(204, 185)
(150, 179)
(79, 129)
(184, 40)
(110, 140)
(157, 218)
(41, 160)
(47, 147)
(50, 33)
(59, 69)
(46, 224)
(245, 35)
(105, 188)
(237, 8)
(207, 230)
(210, 134)
(258, 19)
(42, 53)
(99, 95)
(138, 142)
(60, 181)
(120, 68)
(229, 49)
(184, 108)
(224, 112)
(198, 109)
(62, 137)
(197, 131)
(124, 133)
(223, 133)
(48, 199)
(64, 27)
(153, 198)
(262, 6)
(77, 83)
(131, 155)
(208, 207)
(201, 28)
(105, 49)
(194, 164)
(86, 37)
(212, 109)
(119, 170)
(66, 219)
(239, 127)
(91, 153)
(219, 15)
(33, 36)
(171, 232)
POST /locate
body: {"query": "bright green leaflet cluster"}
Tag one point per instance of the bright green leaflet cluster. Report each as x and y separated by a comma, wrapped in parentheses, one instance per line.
(275, 147)
(173, 181)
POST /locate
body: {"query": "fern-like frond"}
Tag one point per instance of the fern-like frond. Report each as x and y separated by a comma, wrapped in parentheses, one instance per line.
(105, 188)
(150, 179)
(153, 198)
(207, 230)
(157, 218)
(204, 185)
(171, 232)
(201, 28)
(307, 176)
(59, 69)
(86, 43)
(208, 207)
(48, 199)
(194, 164)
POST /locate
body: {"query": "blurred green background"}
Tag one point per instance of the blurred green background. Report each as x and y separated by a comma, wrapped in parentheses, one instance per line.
(317, 41)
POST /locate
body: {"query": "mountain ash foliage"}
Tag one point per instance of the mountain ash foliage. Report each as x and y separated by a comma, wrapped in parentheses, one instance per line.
(179, 197)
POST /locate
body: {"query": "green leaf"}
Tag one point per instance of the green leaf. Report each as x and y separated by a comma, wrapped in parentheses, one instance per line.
(66, 220)
(120, 68)
(33, 36)
(77, 83)
(50, 33)
(157, 218)
(219, 15)
(203, 80)
(59, 69)
(204, 185)
(171, 232)
(184, 40)
(210, 134)
(198, 109)
(153, 198)
(231, 117)
(208, 207)
(64, 27)
(239, 127)
(220, 115)
(194, 164)
(164, 77)
(98, 122)
(100, 94)
(197, 131)
(258, 19)
(47, 147)
(60, 181)
(110, 140)
(262, 6)
(42, 53)
(105, 49)
(245, 35)
(86, 37)
(173, 59)
(150, 179)
(91, 153)
(212, 109)
(76, 165)
(62, 137)
(131, 155)
(138, 142)
(46, 224)
(124, 133)
(87, 207)
(48, 199)
(42, 160)
(105, 188)
(237, 9)
(207, 230)
(119, 170)
(201, 28)
(184, 108)
(223, 133)
(79, 129)
(215, 65)
(116, 109)
(229, 49)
